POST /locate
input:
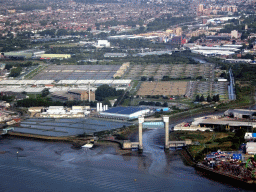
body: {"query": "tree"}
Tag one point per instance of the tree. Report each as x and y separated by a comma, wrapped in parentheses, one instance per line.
(165, 104)
(217, 97)
(197, 98)
(104, 91)
(214, 98)
(202, 98)
(61, 32)
(158, 104)
(15, 72)
(43, 22)
(45, 92)
(151, 78)
(166, 78)
(143, 78)
(112, 32)
(106, 102)
(209, 99)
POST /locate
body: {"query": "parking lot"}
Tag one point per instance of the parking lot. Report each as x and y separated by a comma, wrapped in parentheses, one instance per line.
(77, 72)
(177, 71)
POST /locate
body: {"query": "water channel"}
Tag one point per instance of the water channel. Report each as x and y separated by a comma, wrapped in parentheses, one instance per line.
(54, 166)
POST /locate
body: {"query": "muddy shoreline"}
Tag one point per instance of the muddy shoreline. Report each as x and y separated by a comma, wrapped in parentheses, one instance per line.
(77, 142)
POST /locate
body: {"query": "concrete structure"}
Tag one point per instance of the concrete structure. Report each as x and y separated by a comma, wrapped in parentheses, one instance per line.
(238, 60)
(124, 112)
(101, 107)
(188, 127)
(250, 136)
(55, 56)
(98, 107)
(73, 95)
(178, 31)
(200, 8)
(115, 55)
(251, 148)
(5, 131)
(234, 34)
(229, 124)
(166, 127)
(103, 43)
(139, 145)
(180, 143)
(35, 109)
(241, 113)
(82, 95)
(141, 120)
(61, 112)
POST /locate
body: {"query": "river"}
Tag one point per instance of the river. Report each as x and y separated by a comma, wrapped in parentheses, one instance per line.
(55, 166)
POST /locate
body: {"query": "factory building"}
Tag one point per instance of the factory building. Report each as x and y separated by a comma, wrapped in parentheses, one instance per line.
(73, 95)
(125, 112)
(103, 43)
(61, 112)
(81, 95)
(251, 148)
(55, 56)
(241, 113)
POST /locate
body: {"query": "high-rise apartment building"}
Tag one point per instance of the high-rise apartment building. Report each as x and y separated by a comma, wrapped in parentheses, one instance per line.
(200, 8)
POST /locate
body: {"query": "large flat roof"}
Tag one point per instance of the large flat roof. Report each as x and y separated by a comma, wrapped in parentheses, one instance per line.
(124, 110)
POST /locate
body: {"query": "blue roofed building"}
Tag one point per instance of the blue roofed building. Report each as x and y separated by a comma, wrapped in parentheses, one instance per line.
(125, 112)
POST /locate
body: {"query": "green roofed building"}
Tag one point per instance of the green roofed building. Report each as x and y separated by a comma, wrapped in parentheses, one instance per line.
(20, 54)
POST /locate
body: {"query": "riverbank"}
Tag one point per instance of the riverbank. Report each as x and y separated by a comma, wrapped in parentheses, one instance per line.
(241, 182)
(112, 137)
(47, 166)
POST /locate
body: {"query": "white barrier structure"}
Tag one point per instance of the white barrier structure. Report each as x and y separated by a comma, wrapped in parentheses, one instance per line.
(98, 107)
(166, 127)
(101, 109)
(141, 121)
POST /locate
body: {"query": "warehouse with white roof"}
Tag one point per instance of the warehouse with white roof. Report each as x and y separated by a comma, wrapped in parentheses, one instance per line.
(125, 112)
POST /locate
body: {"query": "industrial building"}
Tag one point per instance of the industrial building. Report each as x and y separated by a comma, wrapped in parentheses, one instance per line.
(61, 112)
(251, 148)
(115, 55)
(55, 56)
(241, 113)
(125, 112)
(73, 95)
(103, 43)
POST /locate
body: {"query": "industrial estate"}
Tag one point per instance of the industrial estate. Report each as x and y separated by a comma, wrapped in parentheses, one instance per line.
(184, 68)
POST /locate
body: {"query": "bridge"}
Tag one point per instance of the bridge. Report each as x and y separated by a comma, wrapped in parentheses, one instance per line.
(156, 121)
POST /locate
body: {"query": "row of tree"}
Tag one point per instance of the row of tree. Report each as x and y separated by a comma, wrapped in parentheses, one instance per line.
(151, 103)
(201, 98)
(46, 102)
